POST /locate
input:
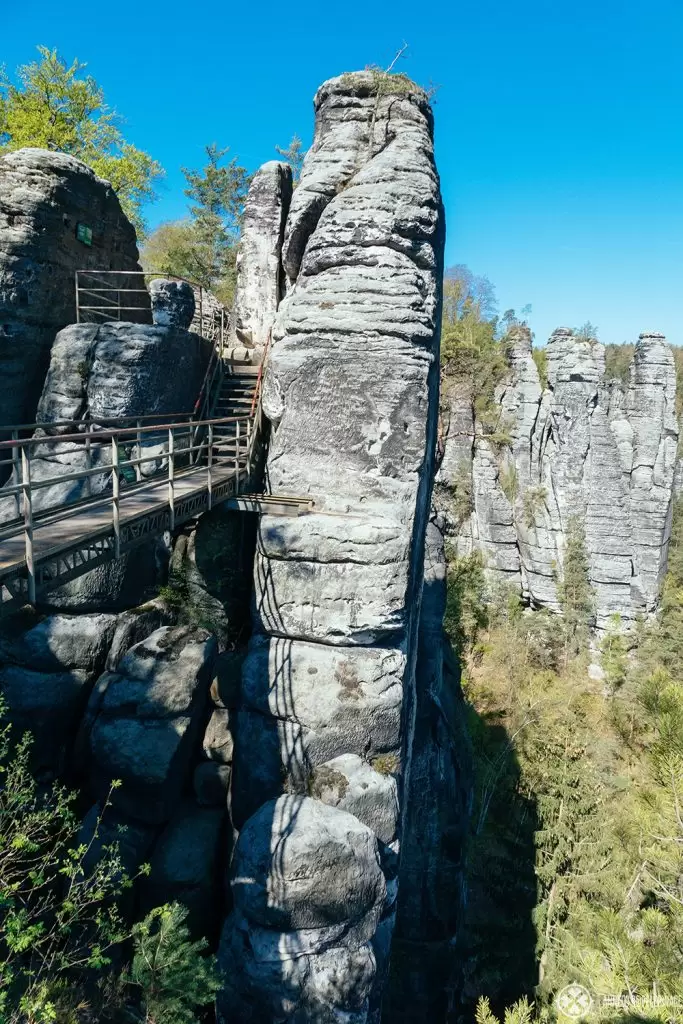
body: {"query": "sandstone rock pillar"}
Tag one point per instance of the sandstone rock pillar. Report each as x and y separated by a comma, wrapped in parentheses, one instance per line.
(324, 735)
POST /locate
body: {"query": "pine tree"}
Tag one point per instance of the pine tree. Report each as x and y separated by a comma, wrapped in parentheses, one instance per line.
(294, 156)
(175, 975)
(574, 590)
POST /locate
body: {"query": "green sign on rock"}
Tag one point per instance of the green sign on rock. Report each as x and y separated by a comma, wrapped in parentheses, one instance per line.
(84, 234)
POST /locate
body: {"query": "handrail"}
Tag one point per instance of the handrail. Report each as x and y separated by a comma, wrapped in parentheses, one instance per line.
(259, 377)
(105, 435)
(96, 419)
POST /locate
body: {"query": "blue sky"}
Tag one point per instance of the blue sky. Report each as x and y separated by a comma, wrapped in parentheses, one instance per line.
(559, 126)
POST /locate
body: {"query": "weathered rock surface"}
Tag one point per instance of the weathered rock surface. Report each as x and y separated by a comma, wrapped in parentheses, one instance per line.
(431, 879)
(146, 720)
(46, 673)
(308, 891)
(582, 447)
(43, 197)
(260, 283)
(351, 389)
(173, 303)
(184, 866)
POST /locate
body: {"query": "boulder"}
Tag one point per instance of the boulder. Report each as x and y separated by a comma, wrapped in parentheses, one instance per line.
(259, 275)
(173, 303)
(146, 721)
(46, 674)
(299, 863)
(351, 784)
(218, 741)
(45, 198)
(275, 977)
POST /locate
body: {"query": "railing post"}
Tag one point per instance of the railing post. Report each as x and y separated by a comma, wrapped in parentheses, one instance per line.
(138, 468)
(88, 460)
(237, 446)
(249, 445)
(209, 470)
(116, 504)
(171, 479)
(28, 521)
(78, 299)
(16, 471)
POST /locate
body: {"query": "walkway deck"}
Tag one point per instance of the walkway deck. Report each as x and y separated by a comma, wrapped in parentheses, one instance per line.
(83, 537)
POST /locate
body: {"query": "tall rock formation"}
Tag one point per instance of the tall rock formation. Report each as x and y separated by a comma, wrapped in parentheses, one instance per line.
(328, 686)
(260, 281)
(580, 446)
(44, 198)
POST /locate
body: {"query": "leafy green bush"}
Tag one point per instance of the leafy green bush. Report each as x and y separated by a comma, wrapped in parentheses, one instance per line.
(62, 934)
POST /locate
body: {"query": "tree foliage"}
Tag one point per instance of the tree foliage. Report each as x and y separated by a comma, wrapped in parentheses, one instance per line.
(294, 156)
(574, 589)
(52, 106)
(575, 863)
(173, 972)
(475, 342)
(62, 933)
(203, 247)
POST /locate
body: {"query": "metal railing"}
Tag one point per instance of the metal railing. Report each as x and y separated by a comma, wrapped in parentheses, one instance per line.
(103, 446)
(103, 296)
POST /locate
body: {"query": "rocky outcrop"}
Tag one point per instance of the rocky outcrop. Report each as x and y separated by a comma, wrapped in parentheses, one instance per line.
(44, 198)
(46, 674)
(328, 683)
(580, 447)
(260, 281)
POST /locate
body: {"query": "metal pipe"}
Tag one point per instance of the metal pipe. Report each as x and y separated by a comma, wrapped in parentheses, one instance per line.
(115, 508)
(171, 480)
(209, 472)
(28, 524)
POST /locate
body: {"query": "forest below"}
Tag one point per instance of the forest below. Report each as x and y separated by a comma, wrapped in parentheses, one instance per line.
(574, 866)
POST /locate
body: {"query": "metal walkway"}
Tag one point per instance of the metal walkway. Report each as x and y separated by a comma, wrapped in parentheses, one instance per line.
(126, 481)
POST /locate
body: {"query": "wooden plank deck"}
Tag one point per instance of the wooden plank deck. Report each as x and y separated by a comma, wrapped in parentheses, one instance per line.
(87, 522)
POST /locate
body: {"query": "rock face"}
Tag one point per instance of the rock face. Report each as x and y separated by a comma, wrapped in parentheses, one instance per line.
(309, 890)
(581, 447)
(146, 720)
(44, 197)
(260, 281)
(328, 684)
(432, 873)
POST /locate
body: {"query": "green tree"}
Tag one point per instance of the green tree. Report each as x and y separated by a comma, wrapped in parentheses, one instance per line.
(61, 929)
(52, 106)
(574, 590)
(586, 332)
(174, 974)
(203, 248)
(471, 352)
(170, 249)
(294, 156)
